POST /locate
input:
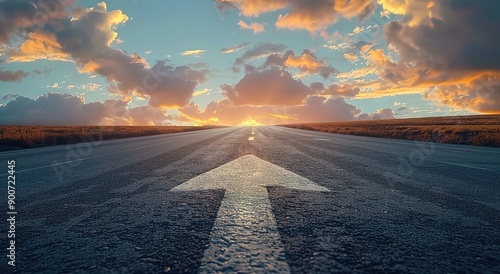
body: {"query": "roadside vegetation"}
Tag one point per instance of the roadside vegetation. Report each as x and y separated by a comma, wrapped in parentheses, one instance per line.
(17, 137)
(478, 130)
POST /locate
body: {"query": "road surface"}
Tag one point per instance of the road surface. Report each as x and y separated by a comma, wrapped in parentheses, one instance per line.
(317, 202)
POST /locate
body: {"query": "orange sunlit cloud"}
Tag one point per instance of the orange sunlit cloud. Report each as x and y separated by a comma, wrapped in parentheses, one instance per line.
(437, 54)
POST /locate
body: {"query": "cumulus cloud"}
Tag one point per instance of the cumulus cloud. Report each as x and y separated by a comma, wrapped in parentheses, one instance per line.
(449, 55)
(453, 50)
(86, 39)
(313, 109)
(320, 109)
(307, 63)
(414, 11)
(461, 38)
(66, 109)
(309, 15)
(380, 114)
(235, 48)
(17, 17)
(146, 115)
(482, 94)
(255, 27)
(51, 109)
(39, 45)
(268, 87)
(12, 76)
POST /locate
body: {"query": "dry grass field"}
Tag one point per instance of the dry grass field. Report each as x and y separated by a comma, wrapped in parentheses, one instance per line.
(479, 130)
(16, 137)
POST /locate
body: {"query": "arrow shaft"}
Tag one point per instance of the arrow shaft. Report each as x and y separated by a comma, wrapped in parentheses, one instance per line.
(245, 237)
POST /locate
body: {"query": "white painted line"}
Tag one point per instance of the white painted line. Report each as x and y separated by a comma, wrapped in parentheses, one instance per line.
(462, 165)
(250, 138)
(245, 237)
(253, 131)
(92, 157)
(321, 139)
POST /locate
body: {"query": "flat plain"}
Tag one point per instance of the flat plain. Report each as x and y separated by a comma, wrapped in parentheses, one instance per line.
(478, 130)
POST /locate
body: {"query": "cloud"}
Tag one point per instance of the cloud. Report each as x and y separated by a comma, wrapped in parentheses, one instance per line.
(269, 87)
(9, 96)
(309, 15)
(346, 90)
(12, 76)
(255, 27)
(453, 50)
(86, 39)
(318, 15)
(45, 71)
(201, 92)
(402, 110)
(85, 87)
(51, 109)
(349, 56)
(313, 109)
(39, 46)
(461, 38)
(55, 85)
(414, 11)
(235, 48)
(320, 109)
(13, 16)
(260, 51)
(358, 30)
(70, 110)
(195, 52)
(307, 63)
(146, 115)
(449, 56)
(254, 8)
(380, 114)
(17, 17)
(167, 86)
(482, 95)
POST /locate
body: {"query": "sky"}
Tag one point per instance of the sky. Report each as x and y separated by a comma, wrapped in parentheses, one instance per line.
(245, 62)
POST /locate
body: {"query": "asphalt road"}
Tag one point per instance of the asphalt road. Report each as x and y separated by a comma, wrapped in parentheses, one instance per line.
(389, 206)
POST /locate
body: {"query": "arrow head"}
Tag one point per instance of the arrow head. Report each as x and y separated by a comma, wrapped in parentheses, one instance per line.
(246, 173)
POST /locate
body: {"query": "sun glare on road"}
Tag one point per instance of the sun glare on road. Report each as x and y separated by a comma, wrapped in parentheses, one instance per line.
(250, 122)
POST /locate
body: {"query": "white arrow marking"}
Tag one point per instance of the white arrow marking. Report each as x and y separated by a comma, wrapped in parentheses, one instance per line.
(245, 237)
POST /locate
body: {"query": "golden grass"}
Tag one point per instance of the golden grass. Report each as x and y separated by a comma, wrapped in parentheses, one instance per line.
(478, 130)
(14, 137)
